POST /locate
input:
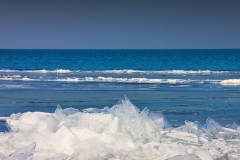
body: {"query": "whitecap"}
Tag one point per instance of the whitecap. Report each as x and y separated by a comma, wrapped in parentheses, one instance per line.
(229, 82)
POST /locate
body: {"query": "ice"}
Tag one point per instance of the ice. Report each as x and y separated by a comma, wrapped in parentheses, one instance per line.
(159, 119)
(234, 126)
(185, 157)
(16, 116)
(235, 135)
(212, 128)
(59, 111)
(63, 157)
(96, 110)
(69, 111)
(25, 153)
(190, 127)
(122, 131)
(130, 121)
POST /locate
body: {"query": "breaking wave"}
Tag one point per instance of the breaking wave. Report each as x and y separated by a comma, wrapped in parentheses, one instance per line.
(97, 79)
(37, 71)
(227, 82)
(120, 132)
(234, 82)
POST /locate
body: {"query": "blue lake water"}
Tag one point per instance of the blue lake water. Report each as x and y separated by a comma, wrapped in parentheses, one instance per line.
(183, 84)
(121, 59)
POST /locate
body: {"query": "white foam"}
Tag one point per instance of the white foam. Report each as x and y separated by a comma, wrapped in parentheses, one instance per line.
(10, 77)
(3, 118)
(37, 71)
(129, 71)
(6, 78)
(49, 71)
(119, 132)
(14, 86)
(27, 79)
(124, 71)
(66, 79)
(100, 79)
(62, 71)
(16, 76)
(229, 82)
(138, 80)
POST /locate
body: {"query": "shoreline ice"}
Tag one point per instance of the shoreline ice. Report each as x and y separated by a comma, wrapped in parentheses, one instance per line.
(120, 132)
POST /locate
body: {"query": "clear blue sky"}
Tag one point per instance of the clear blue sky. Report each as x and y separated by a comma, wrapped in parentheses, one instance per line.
(119, 24)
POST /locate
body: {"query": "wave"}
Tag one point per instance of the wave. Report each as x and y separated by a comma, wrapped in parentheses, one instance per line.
(37, 71)
(120, 132)
(99, 79)
(124, 71)
(227, 82)
(163, 72)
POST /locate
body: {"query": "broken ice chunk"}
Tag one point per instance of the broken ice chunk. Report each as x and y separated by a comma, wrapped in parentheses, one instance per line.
(25, 153)
(194, 125)
(64, 157)
(228, 126)
(159, 120)
(59, 157)
(236, 135)
(130, 121)
(191, 127)
(15, 116)
(191, 131)
(69, 111)
(96, 110)
(214, 125)
(182, 136)
(212, 128)
(124, 107)
(59, 111)
(234, 126)
(185, 157)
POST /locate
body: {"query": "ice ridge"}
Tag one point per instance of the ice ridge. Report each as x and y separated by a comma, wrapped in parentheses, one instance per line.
(120, 132)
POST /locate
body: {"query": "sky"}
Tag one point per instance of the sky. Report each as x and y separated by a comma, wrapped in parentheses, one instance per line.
(119, 24)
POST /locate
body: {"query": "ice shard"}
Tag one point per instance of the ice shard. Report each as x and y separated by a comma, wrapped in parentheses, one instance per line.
(69, 111)
(185, 157)
(64, 157)
(130, 121)
(212, 128)
(25, 153)
(96, 110)
(158, 118)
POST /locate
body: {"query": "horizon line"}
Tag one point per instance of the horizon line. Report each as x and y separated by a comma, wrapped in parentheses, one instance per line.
(120, 49)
